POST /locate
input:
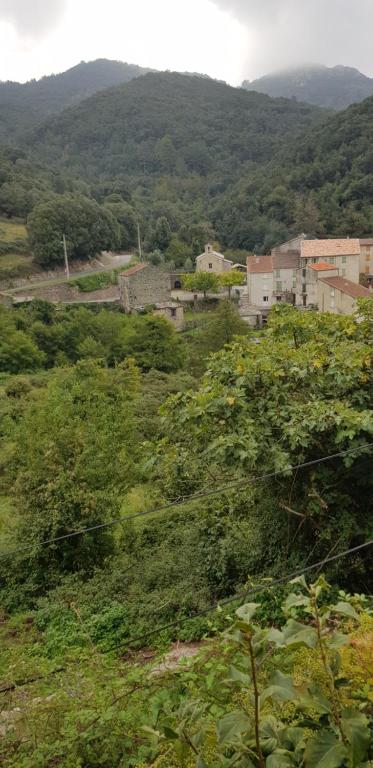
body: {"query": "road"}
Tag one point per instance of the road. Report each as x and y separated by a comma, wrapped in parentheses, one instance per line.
(117, 261)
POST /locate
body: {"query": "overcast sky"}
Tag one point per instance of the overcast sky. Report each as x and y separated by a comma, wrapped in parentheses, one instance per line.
(227, 39)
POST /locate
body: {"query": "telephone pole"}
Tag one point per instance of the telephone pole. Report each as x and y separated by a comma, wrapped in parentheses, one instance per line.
(65, 255)
(139, 241)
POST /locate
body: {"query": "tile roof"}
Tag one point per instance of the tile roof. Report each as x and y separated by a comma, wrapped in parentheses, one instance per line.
(320, 248)
(283, 260)
(259, 264)
(354, 290)
(322, 266)
(133, 270)
(366, 241)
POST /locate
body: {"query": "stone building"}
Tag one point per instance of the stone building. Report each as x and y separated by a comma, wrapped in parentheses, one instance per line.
(212, 261)
(172, 311)
(366, 258)
(338, 295)
(307, 282)
(344, 254)
(143, 285)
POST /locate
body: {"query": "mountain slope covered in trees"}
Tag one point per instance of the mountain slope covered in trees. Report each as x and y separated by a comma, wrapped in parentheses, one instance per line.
(25, 104)
(323, 185)
(331, 87)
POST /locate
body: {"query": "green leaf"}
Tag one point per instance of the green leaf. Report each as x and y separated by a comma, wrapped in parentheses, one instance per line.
(278, 759)
(281, 688)
(231, 725)
(346, 609)
(315, 700)
(296, 601)
(170, 733)
(200, 763)
(355, 727)
(300, 580)
(325, 751)
(296, 633)
(246, 612)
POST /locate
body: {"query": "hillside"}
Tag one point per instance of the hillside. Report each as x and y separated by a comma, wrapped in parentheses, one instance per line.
(169, 124)
(24, 105)
(331, 87)
(323, 184)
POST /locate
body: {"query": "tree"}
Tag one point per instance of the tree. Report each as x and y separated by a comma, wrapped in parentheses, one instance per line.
(162, 234)
(264, 407)
(75, 452)
(224, 324)
(125, 215)
(154, 343)
(207, 282)
(230, 279)
(178, 252)
(89, 229)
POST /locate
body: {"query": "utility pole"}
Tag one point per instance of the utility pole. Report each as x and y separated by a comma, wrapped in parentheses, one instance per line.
(65, 255)
(139, 241)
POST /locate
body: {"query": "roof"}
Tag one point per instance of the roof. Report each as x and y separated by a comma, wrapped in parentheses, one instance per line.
(366, 241)
(259, 264)
(320, 248)
(322, 266)
(354, 290)
(211, 253)
(283, 260)
(133, 270)
(302, 236)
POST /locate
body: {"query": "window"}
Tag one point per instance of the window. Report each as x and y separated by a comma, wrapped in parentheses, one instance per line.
(304, 272)
(278, 286)
(294, 274)
(343, 273)
(367, 257)
(332, 293)
(344, 259)
(314, 261)
(331, 259)
(278, 272)
(304, 288)
(265, 298)
(173, 311)
(278, 298)
(210, 266)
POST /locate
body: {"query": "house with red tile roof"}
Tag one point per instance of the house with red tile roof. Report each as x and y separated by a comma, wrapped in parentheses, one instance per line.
(342, 253)
(338, 295)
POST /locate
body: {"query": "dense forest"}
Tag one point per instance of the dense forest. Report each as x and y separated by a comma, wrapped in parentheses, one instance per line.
(25, 105)
(107, 419)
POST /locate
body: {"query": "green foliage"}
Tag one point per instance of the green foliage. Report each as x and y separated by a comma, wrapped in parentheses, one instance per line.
(66, 475)
(88, 227)
(207, 282)
(320, 729)
(95, 282)
(231, 278)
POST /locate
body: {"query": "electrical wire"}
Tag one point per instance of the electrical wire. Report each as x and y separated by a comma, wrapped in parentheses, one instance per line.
(237, 484)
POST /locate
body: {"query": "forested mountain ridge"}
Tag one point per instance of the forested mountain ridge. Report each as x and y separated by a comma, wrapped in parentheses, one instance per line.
(330, 87)
(204, 126)
(26, 104)
(322, 184)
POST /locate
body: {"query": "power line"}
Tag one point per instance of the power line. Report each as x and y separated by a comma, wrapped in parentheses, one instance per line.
(242, 595)
(187, 500)
(204, 612)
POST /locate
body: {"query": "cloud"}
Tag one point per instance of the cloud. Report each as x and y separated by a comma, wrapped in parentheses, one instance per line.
(288, 32)
(32, 18)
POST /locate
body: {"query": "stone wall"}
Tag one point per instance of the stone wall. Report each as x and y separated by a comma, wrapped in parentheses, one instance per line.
(149, 285)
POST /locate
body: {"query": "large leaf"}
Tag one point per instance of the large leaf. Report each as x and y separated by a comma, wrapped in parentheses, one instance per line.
(324, 751)
(281, 688)
(355, 727)
(246, 612)
(296, 633)
(346, 609)
(231, 725)
(279, 759)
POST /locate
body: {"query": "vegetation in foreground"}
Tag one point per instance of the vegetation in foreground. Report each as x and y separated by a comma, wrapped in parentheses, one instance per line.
(112, 418)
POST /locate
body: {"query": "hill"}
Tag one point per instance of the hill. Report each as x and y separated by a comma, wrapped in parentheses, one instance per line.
(331, 87)
(24, 105)
(169, 124)
(323, 184)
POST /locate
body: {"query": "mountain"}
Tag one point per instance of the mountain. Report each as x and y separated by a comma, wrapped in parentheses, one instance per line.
(169, 124)
(331, 87)
(321, 184)
(28, 104)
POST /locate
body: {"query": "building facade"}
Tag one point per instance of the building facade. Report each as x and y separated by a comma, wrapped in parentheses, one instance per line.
(344, 254)
(143, 285)
(366, 257)
(212, 261)
(338, 295)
